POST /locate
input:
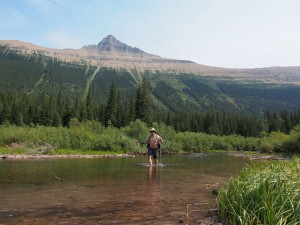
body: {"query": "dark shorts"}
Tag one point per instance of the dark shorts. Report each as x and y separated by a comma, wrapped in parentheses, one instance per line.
(152, 152)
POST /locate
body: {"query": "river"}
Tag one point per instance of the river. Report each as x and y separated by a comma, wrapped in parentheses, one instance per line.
(114, 190)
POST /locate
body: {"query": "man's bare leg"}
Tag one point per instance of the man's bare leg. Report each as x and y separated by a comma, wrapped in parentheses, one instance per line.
(150, 160)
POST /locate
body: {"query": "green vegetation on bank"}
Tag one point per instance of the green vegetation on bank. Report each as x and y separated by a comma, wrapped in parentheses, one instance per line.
(23, 150)
(92, 136)
(265, 193)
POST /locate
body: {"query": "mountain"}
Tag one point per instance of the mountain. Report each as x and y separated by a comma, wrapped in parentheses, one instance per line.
(111, 44)
(110, 52)
(177, 84)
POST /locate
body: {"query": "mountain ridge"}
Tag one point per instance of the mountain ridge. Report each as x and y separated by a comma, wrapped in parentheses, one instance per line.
(108, 53)
(112, 53)
(176, 84)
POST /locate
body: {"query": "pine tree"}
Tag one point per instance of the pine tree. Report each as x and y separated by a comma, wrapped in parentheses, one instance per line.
(287, 121)
(144, 102)
(111, 106)
(119, 111)
(89, 106)
(5, 114)
(77, 107)
(130, 110)
(68, 113)
(17, 117)
(56, 120)
(61, 103)
(82, 113)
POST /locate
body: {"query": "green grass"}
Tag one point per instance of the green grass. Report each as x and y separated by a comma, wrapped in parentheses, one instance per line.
(23, 151)
(6, 151)
(82, 152)
(265, 193)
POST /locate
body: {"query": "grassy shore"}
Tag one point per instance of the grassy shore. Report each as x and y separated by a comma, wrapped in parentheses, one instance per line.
(23, 153)
(264, 193)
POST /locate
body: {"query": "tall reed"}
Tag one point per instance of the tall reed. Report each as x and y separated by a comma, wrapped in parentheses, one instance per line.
(267, 193)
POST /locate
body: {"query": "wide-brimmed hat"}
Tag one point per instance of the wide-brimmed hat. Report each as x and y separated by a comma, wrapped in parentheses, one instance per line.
(153, 130)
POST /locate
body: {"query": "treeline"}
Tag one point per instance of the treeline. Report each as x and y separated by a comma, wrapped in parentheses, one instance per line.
(222, 123)
(58, 110)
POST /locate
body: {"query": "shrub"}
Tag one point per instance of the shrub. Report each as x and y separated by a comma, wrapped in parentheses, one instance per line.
(274, 142)
(137, 130)
(91, 135)
(293, 144)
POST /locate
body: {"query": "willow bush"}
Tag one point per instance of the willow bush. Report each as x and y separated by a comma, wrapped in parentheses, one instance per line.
(92, 135)
(293, 143)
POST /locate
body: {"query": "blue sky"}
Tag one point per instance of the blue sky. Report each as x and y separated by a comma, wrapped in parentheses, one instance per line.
(226, 33)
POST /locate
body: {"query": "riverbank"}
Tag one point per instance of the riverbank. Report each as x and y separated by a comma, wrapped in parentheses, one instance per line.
(264, 193)
(259, 156)
(64, 156)
(69, 153)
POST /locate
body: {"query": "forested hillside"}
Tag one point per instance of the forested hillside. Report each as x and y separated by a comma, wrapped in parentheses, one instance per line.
(37, 89)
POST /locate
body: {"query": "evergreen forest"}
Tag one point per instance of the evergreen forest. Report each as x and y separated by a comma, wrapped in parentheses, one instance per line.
(38, 90)
(24, 109)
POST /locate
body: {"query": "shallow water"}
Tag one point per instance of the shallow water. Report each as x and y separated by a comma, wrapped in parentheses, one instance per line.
(113, 191)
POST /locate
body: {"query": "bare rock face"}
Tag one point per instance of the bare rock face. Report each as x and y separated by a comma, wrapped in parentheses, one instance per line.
(110, 52)
(111, 44)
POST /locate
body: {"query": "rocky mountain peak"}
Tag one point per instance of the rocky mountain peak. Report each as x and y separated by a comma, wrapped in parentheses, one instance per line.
(111, 44)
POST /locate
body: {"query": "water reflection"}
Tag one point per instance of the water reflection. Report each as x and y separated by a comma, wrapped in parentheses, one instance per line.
(110, 191)
(154, 185)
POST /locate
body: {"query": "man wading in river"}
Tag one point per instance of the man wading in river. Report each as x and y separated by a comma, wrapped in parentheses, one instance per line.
(153, 144)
